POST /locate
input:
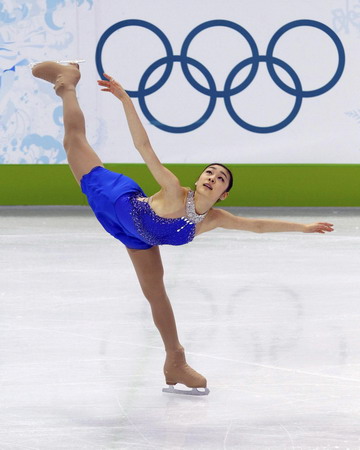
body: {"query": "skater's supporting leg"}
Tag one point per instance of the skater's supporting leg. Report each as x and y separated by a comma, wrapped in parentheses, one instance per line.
(150, 272)
(149, 269)
(81, 156)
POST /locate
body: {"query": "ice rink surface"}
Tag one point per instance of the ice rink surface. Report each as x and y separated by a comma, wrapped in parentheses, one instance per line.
(272, 320)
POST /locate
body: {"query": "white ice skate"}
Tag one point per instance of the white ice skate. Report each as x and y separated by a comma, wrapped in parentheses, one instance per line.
(194, 391)
(63, 61)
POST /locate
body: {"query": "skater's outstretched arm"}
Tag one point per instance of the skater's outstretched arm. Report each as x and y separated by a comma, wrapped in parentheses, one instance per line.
(166, 179)
(225, 219)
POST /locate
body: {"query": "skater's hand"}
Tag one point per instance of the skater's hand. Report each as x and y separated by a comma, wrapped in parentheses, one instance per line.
(318, 227)
(111, 85)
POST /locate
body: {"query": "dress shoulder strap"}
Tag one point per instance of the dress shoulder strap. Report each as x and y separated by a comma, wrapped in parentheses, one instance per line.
(191, 213)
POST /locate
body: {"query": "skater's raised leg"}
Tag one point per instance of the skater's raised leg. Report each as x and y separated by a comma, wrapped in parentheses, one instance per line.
(80, 155)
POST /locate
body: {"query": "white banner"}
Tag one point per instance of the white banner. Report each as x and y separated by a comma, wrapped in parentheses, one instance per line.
(235, 81)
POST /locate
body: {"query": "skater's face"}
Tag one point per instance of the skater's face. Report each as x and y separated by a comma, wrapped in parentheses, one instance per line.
(213, 182)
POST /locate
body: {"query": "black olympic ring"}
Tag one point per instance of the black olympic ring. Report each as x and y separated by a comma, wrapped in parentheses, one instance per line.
(211, 91)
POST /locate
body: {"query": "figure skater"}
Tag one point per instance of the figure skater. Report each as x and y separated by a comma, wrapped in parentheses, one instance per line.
(174, 215)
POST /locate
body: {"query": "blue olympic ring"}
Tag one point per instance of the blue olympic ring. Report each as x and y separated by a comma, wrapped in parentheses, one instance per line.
(217, 23)
(254, 60)
(151, 118)
(149, 26)
(297, 92)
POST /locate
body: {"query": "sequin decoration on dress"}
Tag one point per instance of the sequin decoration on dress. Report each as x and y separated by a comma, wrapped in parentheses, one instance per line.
(157, 230)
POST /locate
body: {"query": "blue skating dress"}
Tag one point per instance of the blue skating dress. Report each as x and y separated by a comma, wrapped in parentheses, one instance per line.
(113, 197)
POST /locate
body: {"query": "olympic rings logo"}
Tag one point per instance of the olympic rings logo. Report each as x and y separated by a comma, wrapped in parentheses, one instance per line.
(211, 90)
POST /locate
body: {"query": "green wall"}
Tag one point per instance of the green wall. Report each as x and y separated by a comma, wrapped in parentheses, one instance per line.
(254, 184)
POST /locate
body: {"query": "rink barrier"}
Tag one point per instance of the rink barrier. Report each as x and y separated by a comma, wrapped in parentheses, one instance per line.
(254, 184)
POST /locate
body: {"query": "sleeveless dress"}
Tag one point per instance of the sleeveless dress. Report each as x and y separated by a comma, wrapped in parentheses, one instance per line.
(113, 197)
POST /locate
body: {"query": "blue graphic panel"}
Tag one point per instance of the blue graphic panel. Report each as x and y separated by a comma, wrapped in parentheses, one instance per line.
(31, 31)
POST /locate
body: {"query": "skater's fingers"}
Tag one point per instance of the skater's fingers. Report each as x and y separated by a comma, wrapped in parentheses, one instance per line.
(109, 77)
(104, 85)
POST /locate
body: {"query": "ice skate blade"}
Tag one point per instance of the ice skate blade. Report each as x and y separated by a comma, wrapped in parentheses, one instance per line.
(194, 391)
(63, 61)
